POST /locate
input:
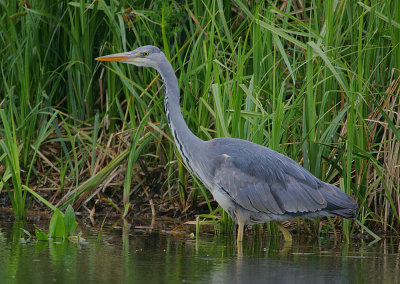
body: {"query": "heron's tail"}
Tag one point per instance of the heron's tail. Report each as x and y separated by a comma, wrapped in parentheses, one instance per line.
(338, 202)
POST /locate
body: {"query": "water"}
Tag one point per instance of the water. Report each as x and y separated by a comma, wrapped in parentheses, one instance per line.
(123, 256)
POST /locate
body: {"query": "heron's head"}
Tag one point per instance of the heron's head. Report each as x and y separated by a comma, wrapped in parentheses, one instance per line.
(146, 56)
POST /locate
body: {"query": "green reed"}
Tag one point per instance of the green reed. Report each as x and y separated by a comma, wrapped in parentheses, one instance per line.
(317, 83)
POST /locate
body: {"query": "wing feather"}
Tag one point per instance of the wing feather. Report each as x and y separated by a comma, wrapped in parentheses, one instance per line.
(262, 180)
(276, 194)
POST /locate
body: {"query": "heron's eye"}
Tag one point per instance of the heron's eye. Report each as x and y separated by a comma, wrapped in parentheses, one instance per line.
(145, 53)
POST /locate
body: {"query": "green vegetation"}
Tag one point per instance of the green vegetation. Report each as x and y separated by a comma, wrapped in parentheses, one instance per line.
(61, 226)
(315, 80)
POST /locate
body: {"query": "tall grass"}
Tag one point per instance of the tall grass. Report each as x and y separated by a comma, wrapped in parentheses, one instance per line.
(315, 80)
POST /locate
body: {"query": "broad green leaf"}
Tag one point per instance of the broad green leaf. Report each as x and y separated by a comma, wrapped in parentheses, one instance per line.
(70, 220)
(57, 225)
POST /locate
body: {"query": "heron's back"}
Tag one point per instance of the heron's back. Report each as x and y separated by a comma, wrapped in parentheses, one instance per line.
(262, 182)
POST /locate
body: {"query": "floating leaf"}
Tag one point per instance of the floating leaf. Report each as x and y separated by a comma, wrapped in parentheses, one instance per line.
(40, 235)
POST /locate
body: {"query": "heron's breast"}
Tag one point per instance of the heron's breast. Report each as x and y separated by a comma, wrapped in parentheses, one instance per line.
(223, 200)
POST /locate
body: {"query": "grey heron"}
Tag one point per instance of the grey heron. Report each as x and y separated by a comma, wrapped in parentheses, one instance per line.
(252, 183)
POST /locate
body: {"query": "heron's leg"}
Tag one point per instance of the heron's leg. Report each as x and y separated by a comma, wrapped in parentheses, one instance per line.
(234, 232)
(240, 232)
(286, 234)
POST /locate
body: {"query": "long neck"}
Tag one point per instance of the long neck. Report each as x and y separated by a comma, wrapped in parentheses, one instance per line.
(188, 144)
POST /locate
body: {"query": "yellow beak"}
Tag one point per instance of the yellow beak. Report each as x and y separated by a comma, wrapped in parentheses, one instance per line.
(118, 57)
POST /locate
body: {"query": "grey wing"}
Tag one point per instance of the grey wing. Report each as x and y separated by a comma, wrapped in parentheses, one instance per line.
(281, 190)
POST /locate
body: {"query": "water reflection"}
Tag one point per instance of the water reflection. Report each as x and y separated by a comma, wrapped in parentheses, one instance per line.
(126, 256)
